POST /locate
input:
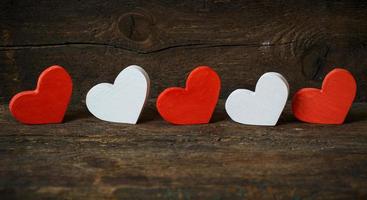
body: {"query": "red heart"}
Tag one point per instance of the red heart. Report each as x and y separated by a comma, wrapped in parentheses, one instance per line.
(194, 104)
(331, 104)
(48, 103)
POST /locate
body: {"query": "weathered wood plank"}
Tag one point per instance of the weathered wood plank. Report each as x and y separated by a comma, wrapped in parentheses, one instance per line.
(237, 66)
(90, 159)
(303, 40)
(170, 23)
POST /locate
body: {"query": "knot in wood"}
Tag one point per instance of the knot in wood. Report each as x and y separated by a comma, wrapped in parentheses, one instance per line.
(136, 26)
(314, 60)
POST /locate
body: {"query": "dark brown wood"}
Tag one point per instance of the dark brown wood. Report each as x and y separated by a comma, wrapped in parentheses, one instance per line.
(94, 40)
(85, 158)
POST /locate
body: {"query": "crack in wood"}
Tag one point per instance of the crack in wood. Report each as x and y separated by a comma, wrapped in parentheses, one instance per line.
(193, 45)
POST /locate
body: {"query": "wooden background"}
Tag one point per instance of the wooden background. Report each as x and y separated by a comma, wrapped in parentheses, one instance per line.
(241, 40)
(86, 158)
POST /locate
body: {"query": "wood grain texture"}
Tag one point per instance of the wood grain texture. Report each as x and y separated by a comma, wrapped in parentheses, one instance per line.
(96, 39)
(86, 158)
(302, 40)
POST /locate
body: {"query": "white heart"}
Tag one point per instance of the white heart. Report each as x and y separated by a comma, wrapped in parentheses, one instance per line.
(124, 100)
(262, 107)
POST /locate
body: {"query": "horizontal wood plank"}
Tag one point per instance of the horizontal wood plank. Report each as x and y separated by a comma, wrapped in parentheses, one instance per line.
(90, 159)
(85, 158)
(240, 39)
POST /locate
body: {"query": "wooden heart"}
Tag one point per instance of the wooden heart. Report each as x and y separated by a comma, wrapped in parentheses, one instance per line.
(194, 104)
(48, 102)
(331, 104)
(262, 107)
(123, 101)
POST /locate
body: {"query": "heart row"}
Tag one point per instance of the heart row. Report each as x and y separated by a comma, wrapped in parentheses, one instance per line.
(124, 100)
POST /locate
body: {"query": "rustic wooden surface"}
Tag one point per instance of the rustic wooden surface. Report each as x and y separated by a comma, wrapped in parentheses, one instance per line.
(90, 159)
(95, 39)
